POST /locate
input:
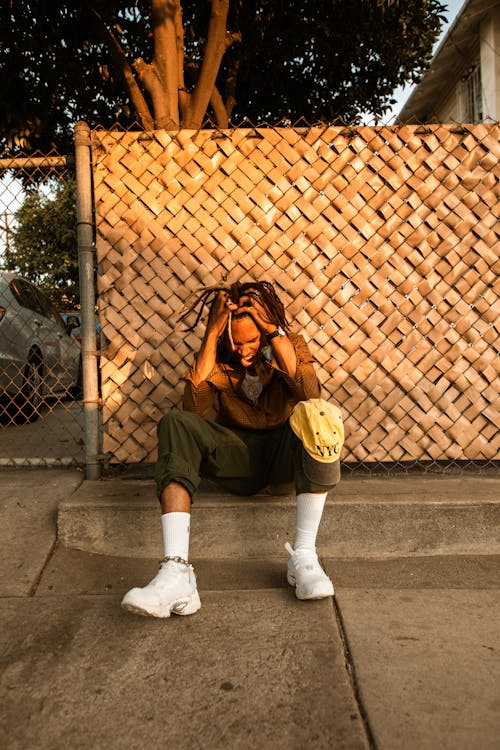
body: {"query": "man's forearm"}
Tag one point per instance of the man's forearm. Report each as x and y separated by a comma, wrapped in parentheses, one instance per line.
(206, 358)
(304, 384)
(285, 356)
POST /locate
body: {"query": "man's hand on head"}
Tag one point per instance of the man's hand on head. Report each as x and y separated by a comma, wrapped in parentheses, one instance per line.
(253, 304)
(219, 314)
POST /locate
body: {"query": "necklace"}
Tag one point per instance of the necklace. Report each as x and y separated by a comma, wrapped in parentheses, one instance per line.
(251, 387)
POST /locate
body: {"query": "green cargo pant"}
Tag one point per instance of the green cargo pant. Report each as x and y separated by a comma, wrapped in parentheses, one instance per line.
(241, 461)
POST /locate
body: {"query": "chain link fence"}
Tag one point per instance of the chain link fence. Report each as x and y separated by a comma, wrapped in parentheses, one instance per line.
(382, 242)
(41, 415)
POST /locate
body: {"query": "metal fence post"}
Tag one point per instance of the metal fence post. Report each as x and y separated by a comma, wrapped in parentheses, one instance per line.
(84, 218)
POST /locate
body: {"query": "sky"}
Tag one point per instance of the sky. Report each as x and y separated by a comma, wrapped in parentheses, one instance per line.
(402, 93)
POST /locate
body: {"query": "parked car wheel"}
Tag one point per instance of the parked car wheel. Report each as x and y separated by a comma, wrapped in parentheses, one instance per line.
(31, 397)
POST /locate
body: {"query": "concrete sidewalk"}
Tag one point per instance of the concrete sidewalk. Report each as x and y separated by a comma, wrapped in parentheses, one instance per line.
(406, 656)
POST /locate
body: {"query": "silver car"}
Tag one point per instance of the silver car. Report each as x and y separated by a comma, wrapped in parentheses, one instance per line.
(38, 358)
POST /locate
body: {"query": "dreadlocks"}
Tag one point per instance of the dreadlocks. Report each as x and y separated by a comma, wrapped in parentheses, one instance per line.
(204, 298)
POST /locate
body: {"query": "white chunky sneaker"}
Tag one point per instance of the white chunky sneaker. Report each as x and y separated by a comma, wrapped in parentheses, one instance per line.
(172, 591)
(306, 574)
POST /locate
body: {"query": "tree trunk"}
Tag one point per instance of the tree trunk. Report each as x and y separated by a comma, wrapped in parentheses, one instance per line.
(214, 51)
(163, 78)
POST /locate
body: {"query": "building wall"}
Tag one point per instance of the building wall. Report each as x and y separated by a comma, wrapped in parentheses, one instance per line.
(490, 66)
(444, 94)
(451, 109)
(487, 55)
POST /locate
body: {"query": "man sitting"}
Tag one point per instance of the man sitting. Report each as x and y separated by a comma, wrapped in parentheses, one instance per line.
(270, 428)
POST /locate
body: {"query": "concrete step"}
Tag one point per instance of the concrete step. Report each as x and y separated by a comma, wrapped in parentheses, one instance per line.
(369, 517)
(71, 572)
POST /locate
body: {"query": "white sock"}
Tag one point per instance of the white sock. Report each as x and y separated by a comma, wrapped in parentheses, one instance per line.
(309, 511)
(176, 534)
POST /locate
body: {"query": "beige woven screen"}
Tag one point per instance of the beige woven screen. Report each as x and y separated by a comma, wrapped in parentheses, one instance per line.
(383, 243)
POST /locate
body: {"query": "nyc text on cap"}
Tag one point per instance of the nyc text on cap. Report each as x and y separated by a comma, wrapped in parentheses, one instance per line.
(318, 425)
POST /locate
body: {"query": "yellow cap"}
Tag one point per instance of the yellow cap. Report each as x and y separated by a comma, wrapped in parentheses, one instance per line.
(319, 426)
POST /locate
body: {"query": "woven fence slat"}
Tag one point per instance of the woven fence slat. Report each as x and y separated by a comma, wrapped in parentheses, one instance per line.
(383, 244)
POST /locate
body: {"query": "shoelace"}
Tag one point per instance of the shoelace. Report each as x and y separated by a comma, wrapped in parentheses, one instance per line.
(305, 561)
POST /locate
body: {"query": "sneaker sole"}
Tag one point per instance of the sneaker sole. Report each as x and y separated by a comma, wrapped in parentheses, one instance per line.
(184, 606)
(298, 594)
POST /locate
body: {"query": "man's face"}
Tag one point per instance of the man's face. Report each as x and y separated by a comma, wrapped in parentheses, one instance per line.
(246, 339)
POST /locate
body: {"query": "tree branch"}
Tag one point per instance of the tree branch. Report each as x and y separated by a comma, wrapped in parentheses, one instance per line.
(214, 50)
(231, 86)
(125, 71)
(184, 96)
(219, 109)
(167, 18)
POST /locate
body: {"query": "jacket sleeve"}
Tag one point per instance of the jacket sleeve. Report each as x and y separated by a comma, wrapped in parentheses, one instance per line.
(305, 384)
(198, 398)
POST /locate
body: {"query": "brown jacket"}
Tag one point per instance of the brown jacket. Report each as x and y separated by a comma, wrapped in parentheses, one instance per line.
(223, 391)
